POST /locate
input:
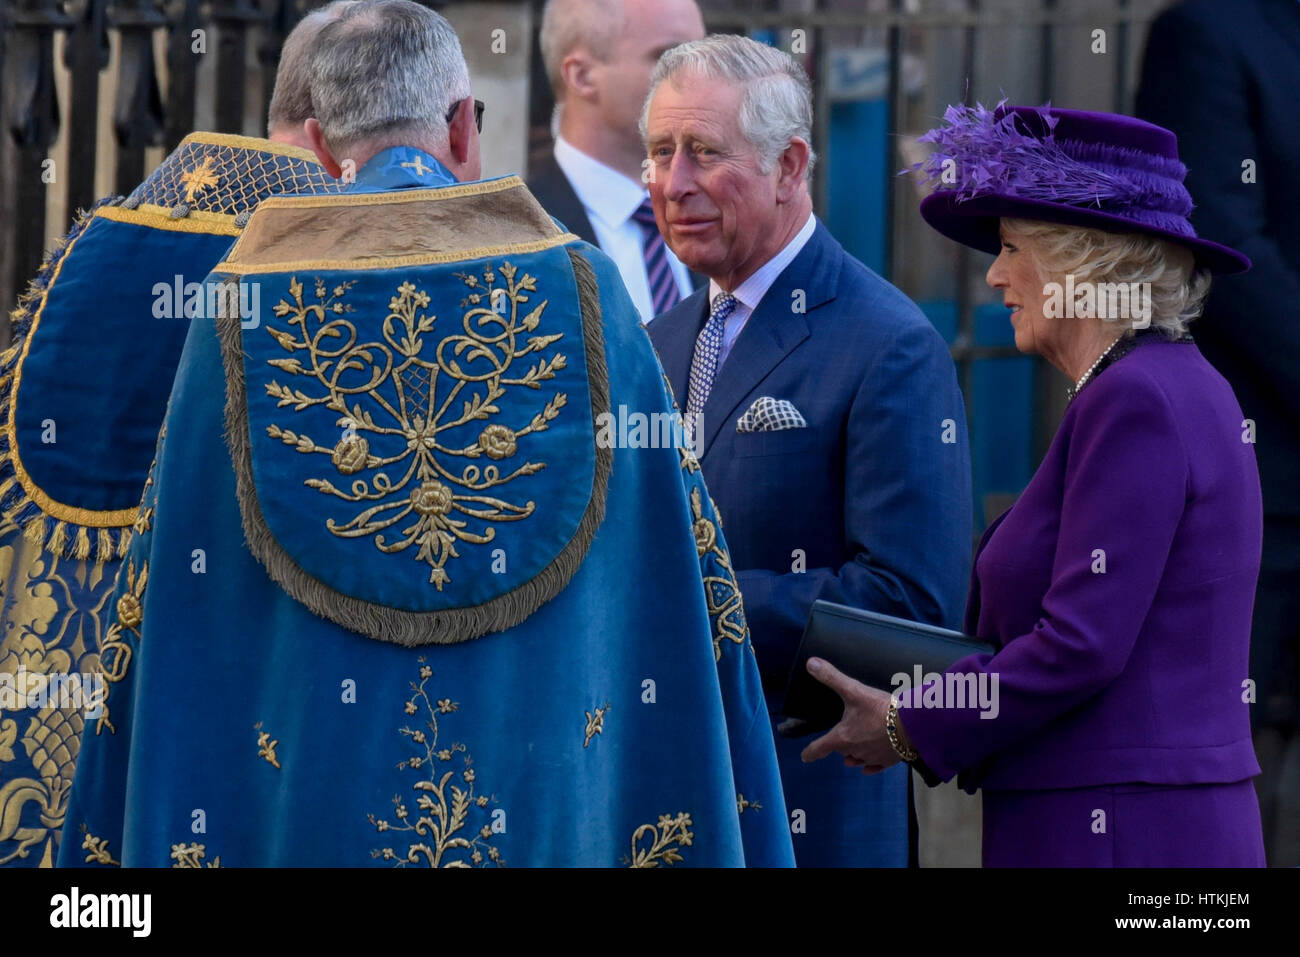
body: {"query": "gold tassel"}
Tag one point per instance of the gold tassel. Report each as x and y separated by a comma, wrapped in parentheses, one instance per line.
(7, 484)
(105, 553)
(58, 537)
(35, 531)
(124, 542)
(81, 548)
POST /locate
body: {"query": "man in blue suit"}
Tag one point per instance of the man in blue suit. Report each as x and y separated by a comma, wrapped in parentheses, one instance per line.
(827, 416)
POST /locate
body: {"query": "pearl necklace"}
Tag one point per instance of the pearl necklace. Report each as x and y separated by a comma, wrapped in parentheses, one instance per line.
(1083, 379)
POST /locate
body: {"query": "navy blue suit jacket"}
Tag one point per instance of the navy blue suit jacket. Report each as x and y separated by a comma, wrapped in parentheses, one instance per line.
(874, 495)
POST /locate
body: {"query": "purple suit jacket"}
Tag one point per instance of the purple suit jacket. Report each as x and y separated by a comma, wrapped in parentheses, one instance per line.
(1119, 591)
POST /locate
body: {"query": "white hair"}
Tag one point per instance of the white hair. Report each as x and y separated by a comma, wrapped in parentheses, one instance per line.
(1178, 288)
(386, 69)
(775, 100)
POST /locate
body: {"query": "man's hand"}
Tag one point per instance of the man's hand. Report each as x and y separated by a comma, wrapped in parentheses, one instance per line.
(860, 736)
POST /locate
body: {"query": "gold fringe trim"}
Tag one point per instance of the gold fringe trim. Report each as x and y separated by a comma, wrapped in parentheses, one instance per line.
(58, 537)
(81, 548)
(394, 625)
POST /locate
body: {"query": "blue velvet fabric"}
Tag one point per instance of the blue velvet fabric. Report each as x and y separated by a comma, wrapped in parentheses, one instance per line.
(622, 723)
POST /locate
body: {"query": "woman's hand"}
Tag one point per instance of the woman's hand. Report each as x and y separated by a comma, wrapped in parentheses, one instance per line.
(860, 736)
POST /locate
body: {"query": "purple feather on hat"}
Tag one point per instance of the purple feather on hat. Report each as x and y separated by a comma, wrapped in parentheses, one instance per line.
(991, 153)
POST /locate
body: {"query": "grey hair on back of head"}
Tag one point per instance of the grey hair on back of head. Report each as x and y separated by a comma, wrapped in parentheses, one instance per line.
(775, 100)
(386, 70)
(291, 100)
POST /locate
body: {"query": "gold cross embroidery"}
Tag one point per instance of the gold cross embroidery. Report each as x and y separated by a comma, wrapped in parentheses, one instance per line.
(199, 179)
(418, 166)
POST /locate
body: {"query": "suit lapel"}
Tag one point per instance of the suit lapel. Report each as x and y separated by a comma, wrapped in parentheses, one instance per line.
(774, 330)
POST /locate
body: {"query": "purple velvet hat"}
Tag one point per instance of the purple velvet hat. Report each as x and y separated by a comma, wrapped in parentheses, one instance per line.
(1101, 170)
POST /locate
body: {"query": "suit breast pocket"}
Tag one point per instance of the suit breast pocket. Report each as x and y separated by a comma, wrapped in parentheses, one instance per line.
(778, 442)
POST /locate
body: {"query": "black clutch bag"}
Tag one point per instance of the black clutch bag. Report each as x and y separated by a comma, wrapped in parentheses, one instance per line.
(870, 648)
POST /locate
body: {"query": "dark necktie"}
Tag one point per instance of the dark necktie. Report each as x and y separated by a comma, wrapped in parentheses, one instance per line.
(664, 293)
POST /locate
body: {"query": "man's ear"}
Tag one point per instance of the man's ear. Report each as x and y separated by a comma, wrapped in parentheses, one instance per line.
(576, 70)
(460, 132)
(791, 166)
(317, 140)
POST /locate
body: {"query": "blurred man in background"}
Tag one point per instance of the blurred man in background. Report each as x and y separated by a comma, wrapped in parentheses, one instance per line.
(599, 54)
(1226, 78)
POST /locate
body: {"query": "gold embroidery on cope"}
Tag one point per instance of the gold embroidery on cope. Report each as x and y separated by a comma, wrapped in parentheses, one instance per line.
(266, 747)
(665, 838)
(325, 347)
(115, 653)
(721, 592)
(742, 803)
(444, 806)
(595, 723)
(98, 848)
(53, 608)
(192, 855)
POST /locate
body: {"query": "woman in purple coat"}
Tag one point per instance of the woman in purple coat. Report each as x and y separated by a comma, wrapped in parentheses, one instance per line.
(1115, 728)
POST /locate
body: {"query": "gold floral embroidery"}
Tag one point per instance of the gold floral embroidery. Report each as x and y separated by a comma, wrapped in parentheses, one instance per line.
(398, 379)
(689, 462)
(115, 653)
(595, 723)
(266, 747)
(665, 838)
(441, 822)
(742, 803)
(192, 855)
(98, 848)
(721, 592)
(52, 611)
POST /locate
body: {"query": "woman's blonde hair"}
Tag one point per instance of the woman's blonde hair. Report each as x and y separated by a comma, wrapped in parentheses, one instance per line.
(1178, 288)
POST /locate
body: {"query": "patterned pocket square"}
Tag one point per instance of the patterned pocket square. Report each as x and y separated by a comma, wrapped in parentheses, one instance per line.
(770, 415)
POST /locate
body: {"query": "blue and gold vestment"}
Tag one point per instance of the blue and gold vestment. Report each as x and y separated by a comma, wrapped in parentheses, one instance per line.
(397, 605)
(83, 389)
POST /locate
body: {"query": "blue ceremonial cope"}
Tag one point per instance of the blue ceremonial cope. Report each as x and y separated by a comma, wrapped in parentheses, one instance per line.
(83, 389)
(396, 604)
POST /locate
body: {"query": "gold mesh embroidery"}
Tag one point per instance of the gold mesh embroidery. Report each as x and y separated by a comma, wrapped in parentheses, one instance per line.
(115, 653)
(228, 175)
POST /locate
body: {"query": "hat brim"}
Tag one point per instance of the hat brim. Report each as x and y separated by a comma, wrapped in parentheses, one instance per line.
(974, 222)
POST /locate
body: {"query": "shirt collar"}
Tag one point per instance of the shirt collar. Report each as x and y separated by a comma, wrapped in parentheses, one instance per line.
(400, 167)
(603, 190)
(750, 292)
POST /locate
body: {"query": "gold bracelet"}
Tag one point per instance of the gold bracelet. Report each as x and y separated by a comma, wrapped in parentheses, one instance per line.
(891, 731)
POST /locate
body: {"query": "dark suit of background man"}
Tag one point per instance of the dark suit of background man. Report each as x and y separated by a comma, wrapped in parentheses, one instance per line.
(833, 433)
(1226, 78)
(599, 54)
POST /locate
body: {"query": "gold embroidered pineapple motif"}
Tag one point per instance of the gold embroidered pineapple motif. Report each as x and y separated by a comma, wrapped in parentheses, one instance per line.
(595, 723)
(115, 654)
(192, 855)
(443, 805)
(408, 389)
(664, 841)
(721, 592)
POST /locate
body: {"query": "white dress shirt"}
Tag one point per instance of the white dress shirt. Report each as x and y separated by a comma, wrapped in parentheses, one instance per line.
(750, 292)
(610, 199)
